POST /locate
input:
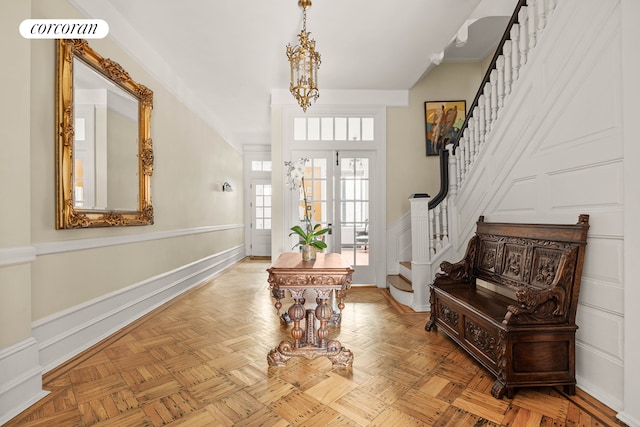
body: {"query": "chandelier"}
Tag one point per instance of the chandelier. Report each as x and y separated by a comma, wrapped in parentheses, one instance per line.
(305, 62)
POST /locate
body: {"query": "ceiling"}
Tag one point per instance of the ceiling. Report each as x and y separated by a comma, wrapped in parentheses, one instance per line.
(224, 58)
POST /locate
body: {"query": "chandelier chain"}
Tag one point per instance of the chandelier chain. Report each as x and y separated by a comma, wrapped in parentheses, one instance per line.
(304, 19)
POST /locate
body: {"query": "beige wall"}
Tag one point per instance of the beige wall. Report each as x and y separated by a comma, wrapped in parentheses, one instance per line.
(15, 228)
(191, 163)
(409, 170)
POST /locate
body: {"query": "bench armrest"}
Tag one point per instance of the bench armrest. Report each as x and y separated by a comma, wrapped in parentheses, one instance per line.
(459, 272)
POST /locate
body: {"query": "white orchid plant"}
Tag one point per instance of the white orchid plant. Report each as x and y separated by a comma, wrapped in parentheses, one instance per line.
(309, 235)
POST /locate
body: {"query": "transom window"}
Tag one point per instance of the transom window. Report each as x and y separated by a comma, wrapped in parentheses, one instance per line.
(261, 165)
(333, 128)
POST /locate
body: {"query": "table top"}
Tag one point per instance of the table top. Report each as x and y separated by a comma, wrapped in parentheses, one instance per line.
(324, 261)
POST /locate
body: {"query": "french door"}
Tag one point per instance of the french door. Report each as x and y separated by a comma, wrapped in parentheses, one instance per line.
(260, 244)
(337, 185)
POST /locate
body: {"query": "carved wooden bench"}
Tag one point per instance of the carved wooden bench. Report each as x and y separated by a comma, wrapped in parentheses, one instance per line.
(511, 302)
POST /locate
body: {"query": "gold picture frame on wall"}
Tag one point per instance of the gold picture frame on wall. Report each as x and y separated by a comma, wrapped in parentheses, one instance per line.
(443, 120)
(105, 182)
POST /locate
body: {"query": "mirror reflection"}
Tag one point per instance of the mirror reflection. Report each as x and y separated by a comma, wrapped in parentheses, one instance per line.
(105, 170)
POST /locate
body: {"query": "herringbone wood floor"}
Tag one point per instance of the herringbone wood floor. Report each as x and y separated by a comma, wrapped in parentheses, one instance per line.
(200, 360)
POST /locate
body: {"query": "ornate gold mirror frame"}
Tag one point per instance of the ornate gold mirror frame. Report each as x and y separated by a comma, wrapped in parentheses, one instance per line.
(68, 213)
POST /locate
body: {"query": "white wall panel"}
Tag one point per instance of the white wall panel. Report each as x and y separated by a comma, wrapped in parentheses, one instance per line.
(589, 185)
(605, 260)
(601, 330)
(601, 295)
(599, 375)
(521, 196)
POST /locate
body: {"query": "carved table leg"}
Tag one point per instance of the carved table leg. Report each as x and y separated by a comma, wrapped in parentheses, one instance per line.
(296, 313)
(323, 313)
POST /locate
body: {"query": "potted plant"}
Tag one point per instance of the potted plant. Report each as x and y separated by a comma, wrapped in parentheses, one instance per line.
(309, 241)
(309, 235)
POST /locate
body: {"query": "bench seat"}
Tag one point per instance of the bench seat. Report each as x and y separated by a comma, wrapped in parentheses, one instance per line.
(511, 302)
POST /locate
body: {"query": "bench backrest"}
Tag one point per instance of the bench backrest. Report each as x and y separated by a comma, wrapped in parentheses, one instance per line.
(542, 263)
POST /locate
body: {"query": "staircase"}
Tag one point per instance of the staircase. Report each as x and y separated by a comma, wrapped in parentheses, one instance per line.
(434, 234)
(400, 284)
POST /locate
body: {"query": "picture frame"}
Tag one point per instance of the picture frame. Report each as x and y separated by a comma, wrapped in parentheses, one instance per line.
(443, 120)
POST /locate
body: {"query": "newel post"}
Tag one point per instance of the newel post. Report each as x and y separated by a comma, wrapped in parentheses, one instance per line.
(420, 251)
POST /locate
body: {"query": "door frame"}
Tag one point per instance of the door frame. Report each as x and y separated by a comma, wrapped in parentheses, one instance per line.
(378, 145)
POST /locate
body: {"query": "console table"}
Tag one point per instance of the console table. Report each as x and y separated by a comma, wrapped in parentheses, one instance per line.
(328, 273)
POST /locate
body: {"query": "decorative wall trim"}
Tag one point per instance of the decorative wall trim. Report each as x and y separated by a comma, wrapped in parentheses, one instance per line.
(100, 242)
(17, 255)
(20, 378)
(65, 334)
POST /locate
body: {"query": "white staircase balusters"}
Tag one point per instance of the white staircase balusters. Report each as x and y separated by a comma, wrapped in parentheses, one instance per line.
(542, 18)
(532, 8)
(468, 141)
(515, 53)
(506, 51)
(500, 68)
(494, 96)
(524, 45)
(454, 174)
(487, 111)
(482, 121)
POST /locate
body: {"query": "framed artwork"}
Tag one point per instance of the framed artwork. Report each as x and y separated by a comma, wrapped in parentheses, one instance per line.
(443, 120)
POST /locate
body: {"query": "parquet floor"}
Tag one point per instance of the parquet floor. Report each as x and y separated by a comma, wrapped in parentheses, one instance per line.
(200, 360)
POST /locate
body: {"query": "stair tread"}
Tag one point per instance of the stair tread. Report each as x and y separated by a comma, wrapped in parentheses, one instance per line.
(406, 264)
(399, 282)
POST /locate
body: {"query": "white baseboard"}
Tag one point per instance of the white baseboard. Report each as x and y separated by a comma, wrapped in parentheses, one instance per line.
(20, 378)
(421, 308)
(68, 333)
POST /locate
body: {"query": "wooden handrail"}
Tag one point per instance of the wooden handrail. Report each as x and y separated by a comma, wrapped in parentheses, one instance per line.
(492, 66)
(444, 179)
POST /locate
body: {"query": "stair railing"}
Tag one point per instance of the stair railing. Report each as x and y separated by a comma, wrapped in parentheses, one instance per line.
(527, 23)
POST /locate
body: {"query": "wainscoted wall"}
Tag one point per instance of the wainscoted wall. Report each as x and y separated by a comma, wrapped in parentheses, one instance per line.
(65, 334)
(557, 152)
(63, 290)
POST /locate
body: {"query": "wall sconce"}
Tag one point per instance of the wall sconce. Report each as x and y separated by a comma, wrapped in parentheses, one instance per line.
(226, 187)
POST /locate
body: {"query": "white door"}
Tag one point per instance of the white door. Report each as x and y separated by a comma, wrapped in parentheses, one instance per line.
(260, 217)
(337, 187)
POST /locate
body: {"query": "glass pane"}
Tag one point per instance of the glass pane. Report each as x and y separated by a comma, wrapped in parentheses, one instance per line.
(327, 128)
(259, 224)
(367, 129)
(313, 129)
(354, 207)
(354, 128)
(267, 223)
(267, 188)
(259, 190)
(256, 165)
(259, 213)
(266, 166)
(340, 129)
(299, 128)
(267, 212)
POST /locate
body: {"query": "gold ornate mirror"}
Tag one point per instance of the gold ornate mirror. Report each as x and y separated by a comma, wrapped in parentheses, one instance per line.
(104, 152)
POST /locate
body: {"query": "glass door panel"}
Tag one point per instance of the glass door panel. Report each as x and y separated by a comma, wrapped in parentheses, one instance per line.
(354, 182)
(338, 196)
